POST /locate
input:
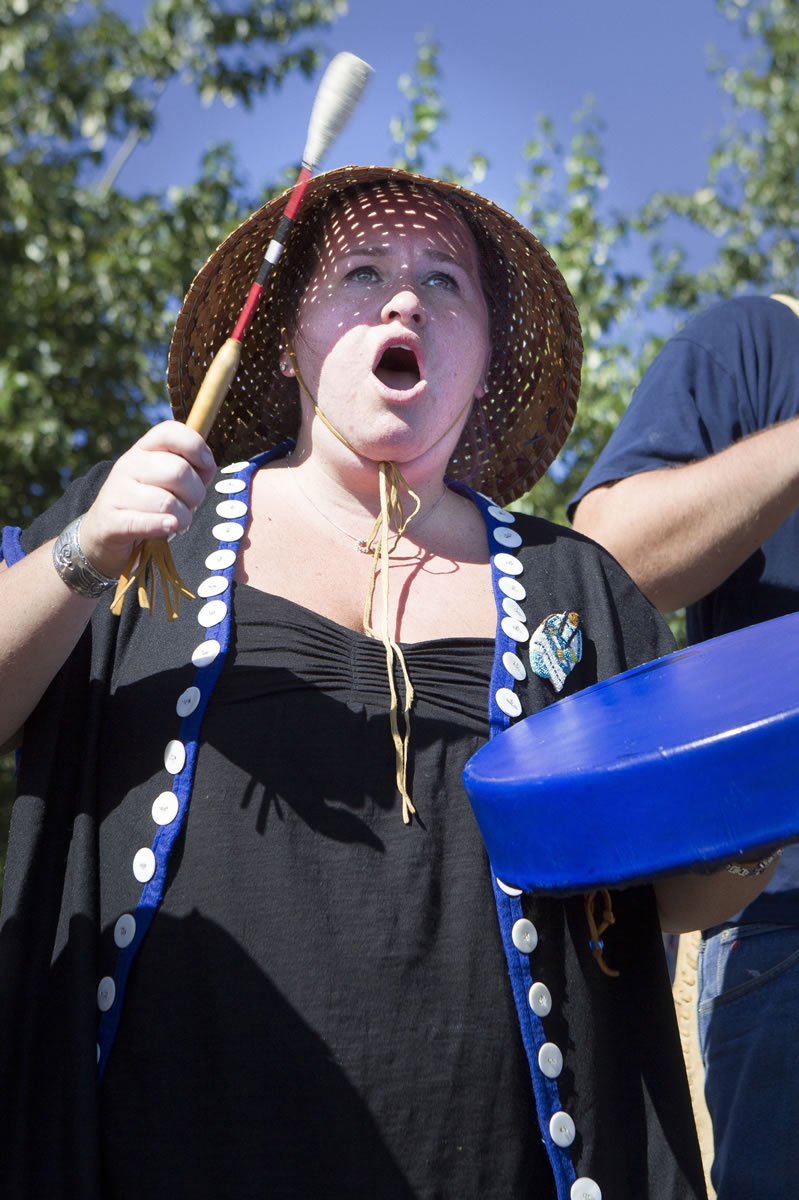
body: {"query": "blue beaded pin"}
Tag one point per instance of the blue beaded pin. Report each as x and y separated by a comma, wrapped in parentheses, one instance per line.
(556, 647)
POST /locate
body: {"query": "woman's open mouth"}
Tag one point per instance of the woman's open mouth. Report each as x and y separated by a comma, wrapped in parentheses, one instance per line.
(398, 369)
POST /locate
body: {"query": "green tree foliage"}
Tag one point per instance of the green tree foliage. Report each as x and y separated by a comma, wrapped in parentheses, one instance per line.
(91, 276)
(562, 201)
(415, 135)
(748, 203)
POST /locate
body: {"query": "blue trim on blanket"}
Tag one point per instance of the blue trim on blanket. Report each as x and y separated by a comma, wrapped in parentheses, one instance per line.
(509, 908)
(166, 835)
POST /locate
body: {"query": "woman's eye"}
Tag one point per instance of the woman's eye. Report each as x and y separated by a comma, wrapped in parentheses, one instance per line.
(440, 279)
(363, 275)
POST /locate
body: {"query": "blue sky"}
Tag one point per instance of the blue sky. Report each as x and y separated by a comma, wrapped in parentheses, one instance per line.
(643, 61)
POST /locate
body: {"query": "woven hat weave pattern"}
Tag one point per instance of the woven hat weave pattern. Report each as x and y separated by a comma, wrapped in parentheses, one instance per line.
(516, 429)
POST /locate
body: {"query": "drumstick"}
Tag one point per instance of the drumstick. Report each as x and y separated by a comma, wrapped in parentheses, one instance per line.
(339, 91)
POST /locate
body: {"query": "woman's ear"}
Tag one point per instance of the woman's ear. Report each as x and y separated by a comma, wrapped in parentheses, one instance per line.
(482, 386)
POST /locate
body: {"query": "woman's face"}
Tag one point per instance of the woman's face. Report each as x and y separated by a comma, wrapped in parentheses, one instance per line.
(392, 332)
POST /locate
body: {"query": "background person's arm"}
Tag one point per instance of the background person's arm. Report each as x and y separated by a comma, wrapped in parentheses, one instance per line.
(681, 531)
(688, 902)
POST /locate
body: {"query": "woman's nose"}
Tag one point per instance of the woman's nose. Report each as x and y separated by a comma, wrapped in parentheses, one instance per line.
(404, 306)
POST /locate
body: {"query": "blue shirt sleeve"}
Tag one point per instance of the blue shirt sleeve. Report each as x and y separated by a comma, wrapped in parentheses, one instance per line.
(729, 373)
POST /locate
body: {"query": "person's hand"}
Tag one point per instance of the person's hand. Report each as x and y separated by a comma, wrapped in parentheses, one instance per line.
(151, 492)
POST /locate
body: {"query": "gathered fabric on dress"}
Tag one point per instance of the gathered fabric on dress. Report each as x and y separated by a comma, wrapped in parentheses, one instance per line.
(327, 984)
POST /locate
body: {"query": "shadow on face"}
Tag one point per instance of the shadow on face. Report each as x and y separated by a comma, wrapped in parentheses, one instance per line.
(375, 222)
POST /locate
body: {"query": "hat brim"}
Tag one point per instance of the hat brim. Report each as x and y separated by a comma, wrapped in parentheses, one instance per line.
(532, 387)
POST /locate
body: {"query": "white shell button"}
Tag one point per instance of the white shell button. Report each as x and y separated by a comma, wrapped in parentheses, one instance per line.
(561, 1129)
(204, 654)
(228, 531)
(515, 629)
(508, 564)
(124, 930)
(188, 701)
(175, 756)
(511, 587)
(499, 514)
(507, 889)
(585, 1189)
(509, 702)
(220, 560)
(214, 585)
(512, 609)
(513, 665)
(540, 999)
(507, 537)
(231, 510)
(550, 1060)
(212, 613)
(106, 991)
(144, 864)
(165, 808)
(524, 935)
(228, 487)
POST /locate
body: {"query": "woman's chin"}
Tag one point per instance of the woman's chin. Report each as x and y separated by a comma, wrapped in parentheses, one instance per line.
(416, 457)
(400, 432)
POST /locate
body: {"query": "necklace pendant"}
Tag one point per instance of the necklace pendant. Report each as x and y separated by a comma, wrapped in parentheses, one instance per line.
(363, 546)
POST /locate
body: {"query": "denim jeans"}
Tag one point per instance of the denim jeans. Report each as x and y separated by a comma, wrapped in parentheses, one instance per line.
(748, 984)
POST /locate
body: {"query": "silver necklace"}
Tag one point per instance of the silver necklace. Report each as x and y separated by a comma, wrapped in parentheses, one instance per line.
(361, 543)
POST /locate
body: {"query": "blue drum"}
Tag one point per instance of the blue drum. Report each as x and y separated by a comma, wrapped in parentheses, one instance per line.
(679, 765)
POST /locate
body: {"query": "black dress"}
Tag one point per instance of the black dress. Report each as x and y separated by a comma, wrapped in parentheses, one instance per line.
(320, 1004)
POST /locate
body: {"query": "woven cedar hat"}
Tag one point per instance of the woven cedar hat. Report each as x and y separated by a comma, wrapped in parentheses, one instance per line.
(517, 427)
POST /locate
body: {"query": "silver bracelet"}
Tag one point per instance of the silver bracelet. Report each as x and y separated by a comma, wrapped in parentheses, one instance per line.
(756, 869)
(74, 567)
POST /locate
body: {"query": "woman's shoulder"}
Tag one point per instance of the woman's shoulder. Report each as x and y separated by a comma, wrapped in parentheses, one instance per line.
(558, 552)
(562, 553)
(568, 572)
